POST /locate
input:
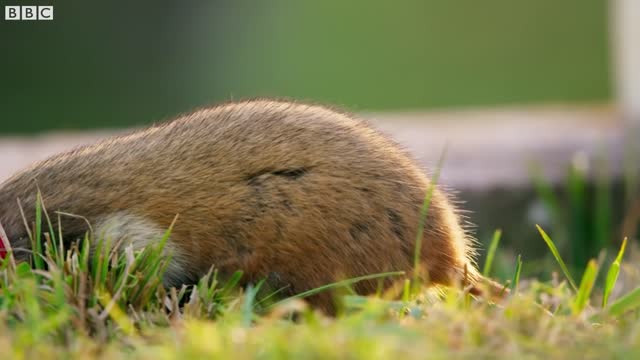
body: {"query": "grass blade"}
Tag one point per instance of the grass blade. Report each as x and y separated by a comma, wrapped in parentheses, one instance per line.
(249, 302)
(516, 275)
(493, 247)
(612, 274)
(556, 254)
(424, 211)
(231, 284)
(117, 314)
(625, 303)
(340, 284)
(37, 237)
(586, 286)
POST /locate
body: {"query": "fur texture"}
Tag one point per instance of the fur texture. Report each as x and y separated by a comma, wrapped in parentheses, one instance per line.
(298, 194)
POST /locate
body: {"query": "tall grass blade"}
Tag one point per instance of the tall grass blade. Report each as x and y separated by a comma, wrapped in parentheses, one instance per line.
(516, 275)
(586, 286)
(406, 292)
(556, 254)
(84, 254)
(37, 238)
(58, 253)
(231, 284)
(493, 247)
(424, 211)
(581, 239)
(612, 274)
(249, 301)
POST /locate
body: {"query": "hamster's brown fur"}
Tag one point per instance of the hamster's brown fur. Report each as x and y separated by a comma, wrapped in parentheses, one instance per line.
(298, 194)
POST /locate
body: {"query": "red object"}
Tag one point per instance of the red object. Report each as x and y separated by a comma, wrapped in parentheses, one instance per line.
(3, 250)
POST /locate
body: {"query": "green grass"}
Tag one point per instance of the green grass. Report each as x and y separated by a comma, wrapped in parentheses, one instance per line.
(418, 273)
(612, 274)
(113, 305)
(583, 217)
(493, 247)
(556, 255)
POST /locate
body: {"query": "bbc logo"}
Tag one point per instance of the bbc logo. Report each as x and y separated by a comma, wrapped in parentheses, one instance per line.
(28, 12)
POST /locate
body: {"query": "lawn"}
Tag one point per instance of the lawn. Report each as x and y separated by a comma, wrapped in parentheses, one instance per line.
(112, 305)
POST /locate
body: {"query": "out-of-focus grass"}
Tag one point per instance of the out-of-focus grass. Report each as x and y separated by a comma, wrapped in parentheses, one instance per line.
(493, 247)
(612, 274)
(114, 306)
(585, 221)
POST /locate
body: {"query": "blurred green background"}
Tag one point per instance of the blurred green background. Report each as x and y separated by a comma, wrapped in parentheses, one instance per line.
(111, 64)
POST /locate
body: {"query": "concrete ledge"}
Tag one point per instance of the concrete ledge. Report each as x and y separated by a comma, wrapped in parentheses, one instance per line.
(494, 148)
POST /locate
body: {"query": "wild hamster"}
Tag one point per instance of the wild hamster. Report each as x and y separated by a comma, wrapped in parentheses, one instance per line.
(300, 195)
